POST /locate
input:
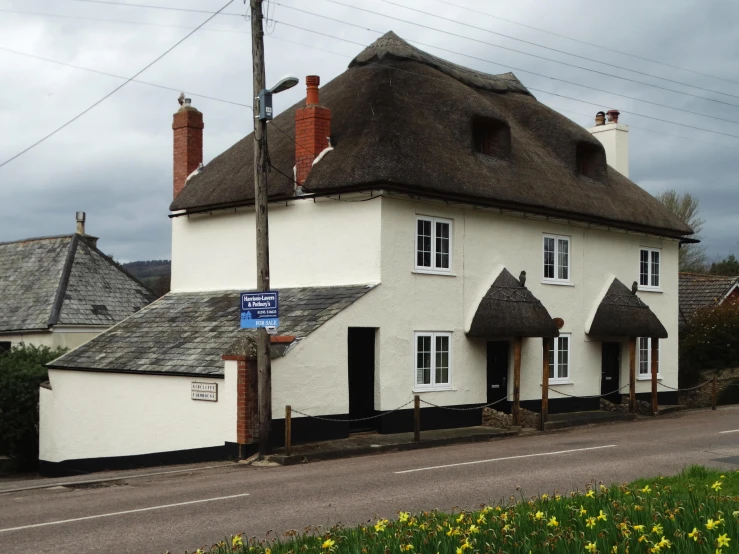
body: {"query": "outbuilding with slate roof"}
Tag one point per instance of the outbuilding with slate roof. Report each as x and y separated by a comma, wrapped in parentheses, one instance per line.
(699, 291)
(62, 291)
(405, 194)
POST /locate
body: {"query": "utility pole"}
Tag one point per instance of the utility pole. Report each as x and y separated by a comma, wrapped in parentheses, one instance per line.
(261, 167)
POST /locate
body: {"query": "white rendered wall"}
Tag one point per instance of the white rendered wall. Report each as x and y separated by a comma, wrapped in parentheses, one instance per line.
(483, 242)
(615, 140)
(321, 243)
(55, 339)
(96, 415)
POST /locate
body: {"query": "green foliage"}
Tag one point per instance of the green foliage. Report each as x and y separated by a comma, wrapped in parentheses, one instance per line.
(21, 372)
(712, 339)
(729, 266)
(690, 513)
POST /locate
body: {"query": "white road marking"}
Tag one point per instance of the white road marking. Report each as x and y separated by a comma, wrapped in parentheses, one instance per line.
(508, 458)
(163, 506)
(732, 431)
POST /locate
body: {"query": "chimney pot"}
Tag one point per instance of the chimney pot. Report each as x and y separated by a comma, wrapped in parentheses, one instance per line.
(80, 216)
(613, 116)
(600, 118)
(312, 82)
(187, 125)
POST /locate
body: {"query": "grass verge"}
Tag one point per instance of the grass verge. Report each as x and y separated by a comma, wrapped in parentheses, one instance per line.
(696, 511)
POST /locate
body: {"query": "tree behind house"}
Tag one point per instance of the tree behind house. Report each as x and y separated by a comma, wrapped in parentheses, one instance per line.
(686, 207)
(729, 267)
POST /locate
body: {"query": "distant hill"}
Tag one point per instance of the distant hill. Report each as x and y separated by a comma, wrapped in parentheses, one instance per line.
(155, 274)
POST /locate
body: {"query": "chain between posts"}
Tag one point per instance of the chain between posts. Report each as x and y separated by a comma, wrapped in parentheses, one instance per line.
(344, 420)
(465, 409)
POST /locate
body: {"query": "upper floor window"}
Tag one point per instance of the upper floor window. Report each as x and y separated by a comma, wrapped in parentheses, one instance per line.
(491, 137)
(559, 359)
(649, 268)
(590, 160)
(433, 244)
(433, 361)
(556, 258)
(645, 358)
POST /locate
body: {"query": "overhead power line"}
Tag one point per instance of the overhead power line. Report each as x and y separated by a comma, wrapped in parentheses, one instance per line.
(537, 56)
(621, 52)
(119, 87)
(149, 6)
(514, 68)
(82, 68)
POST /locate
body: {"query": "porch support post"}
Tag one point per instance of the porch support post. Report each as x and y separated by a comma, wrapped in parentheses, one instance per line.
(632, 375)
(655, 370)
(517, 343)
(544, 384)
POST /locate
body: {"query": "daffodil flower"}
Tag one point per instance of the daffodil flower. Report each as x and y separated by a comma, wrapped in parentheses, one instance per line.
(602, 516)
(380, 525)
(716, 486)
(646, 489)
(664, 543)
(474, 529)
(711, 524)
(236, 541)
(657, 529)
(591, 547)
(481, 519)
(694, 534)
(590, 493)
(403, 517)
(539, 515)
(460, 519)
(544, 496)
(406, 548)
(328, 543)
(553, 522)
(590, 522)
(723, 540)
(583, 511)
(639, 528)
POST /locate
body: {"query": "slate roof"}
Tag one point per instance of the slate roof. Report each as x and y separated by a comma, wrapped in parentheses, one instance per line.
(64, 280)
(697, 291)
(402, 121)
(188, 333)
(622, 313)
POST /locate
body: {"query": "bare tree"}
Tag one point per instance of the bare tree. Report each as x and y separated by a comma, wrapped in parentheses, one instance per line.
(686, 206)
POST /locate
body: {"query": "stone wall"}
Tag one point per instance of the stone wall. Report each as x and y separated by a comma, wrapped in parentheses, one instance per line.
(727, 380)
(500, 420)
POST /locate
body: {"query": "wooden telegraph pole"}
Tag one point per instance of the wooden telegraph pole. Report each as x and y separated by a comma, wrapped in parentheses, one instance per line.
(261, 167)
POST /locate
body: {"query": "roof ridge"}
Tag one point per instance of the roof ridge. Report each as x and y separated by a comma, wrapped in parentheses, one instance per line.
(116, 265)
(61, 291)
(69, 235)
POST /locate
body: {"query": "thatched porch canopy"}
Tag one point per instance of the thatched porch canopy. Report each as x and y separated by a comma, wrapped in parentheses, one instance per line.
(622, 313)
(509, 309)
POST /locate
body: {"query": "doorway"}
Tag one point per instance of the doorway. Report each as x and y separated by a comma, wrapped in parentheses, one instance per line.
(497, 372)
(611, 371)
(361, 357)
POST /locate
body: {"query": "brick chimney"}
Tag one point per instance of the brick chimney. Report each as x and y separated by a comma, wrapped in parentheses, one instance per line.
(188, 126)
(312, 130)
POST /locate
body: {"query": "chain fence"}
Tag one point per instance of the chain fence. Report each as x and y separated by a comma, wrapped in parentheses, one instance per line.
(591, 396)
(468, 409)
(345, 420)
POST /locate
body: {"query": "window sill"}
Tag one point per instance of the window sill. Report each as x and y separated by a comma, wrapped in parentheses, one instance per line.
(444, 389)
(649, 289)
(558, 283)
(560, 382)
(647, 377)
(434, 272)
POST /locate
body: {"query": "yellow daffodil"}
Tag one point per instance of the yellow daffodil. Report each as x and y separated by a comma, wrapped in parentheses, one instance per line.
(655, 548)
(424, 526)
(590, 547)
(504, 516)
(664, 543)
(380, 525)
(403, 517)
(639, 529)
(474, 529)
(481, 519)
(557, 497)
(236, 540)
(583, 511)
(328, 543)
(646, 489)
(544, 496)
(459, 550)
(539, 515)
(723, 540)
(406, 547)
(603, 488)
(657, 529)
(719, 551)
(506, 528)
(694, 534)
(614, 549)
(642, 538)
(452, 532)
(590, 493)
(268, 551)
(602, 516)
(553, 522)
(460, 519)
(716, 486)
(711, 524)
(590, 522)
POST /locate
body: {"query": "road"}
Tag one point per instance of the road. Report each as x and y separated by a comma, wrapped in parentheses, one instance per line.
(185, 510)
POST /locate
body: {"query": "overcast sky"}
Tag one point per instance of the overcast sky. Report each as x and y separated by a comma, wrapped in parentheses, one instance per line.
(115, 162)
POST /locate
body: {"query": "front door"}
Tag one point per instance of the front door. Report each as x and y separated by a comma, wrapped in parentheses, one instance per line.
(611, 371)
(361, 354)
(497, 372)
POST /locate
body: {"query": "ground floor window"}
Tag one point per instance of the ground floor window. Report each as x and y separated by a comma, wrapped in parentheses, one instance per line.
(559, 359)
(433, 360)
(5, 346)
(644, 344)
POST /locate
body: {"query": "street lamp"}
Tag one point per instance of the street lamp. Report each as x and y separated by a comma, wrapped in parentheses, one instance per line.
(265, 95)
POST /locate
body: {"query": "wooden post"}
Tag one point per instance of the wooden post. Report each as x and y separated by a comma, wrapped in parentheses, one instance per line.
(416, 418)
(632, 375)
(655, 370)
(261, 161)
(544, 384)
(714, 393)
(288, 428)
(517, 343)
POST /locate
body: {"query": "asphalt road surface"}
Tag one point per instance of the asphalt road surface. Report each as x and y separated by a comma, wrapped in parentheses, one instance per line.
(185, 510)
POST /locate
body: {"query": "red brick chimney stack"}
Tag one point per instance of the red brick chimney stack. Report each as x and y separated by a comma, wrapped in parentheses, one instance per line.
(312, 130)
(188, 143)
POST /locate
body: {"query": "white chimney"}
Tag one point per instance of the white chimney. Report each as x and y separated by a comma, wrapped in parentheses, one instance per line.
(614, 137)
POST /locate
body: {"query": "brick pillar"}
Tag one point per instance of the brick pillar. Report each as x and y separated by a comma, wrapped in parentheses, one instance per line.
(312, 130)
(187, 125)
(247, 414)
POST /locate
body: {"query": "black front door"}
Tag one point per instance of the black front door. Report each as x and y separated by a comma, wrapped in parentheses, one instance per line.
(497, 372)
(611, 370)
(361, 376)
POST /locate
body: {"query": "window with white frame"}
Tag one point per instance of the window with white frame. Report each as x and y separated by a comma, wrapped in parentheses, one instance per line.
(644, 345)
(649, 262)
(433, 361)
(433, 244)
(559, 359)
(556, 258)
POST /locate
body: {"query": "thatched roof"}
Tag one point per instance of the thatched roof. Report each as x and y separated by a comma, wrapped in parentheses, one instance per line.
(509, 309)
(622, 313)
(402, 121)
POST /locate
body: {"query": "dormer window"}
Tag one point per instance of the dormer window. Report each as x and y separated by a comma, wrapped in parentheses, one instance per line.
(491, 137)
(590, 160)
